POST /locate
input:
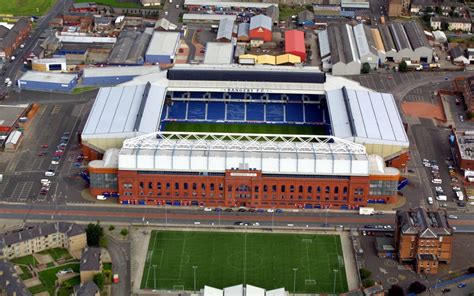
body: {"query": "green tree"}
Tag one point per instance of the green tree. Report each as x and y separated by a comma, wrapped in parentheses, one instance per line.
(365, 68)
(429, 9)
(99, 280)
(94, 234)
(403, 67)
(368, 283)
(444, 26)
(111, 228)
(416, 288)
(396, 290)
(124, 232)
(365, 273)
(438, 10)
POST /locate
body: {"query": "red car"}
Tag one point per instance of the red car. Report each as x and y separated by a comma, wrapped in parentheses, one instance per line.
(41, 153)
(44, 146)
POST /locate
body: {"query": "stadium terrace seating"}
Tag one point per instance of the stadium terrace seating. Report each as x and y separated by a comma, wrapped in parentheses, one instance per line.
(177, 110)
(274, 112)
(255, 112)
(272, 96)
(237, 96)
(294, 113)
(295, 97)
(178, 94)
(236, 111)
(196, 110)
(215, 111)
(313, 113)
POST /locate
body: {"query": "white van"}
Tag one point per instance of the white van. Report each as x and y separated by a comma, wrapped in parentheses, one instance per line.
(437, 181)
(442, 198)
(430, 200)
(101, 197)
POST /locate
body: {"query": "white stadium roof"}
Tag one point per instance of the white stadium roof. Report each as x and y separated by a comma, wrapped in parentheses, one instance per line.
(272, 154)
(373, 117)
(120, 71)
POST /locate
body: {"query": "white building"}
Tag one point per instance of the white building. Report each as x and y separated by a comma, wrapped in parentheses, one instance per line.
(366, 46)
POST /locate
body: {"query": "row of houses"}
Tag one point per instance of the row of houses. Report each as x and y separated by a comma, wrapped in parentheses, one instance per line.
(10, 39)
(344, 49)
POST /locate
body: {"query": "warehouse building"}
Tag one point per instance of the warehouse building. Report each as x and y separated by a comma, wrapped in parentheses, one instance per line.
(261, 28)
(390, 48)
(219, 53)
(274, 13)
(400, 39)
(243, 32)
(194, 5)
(344, 56)
(210, 19)
(46, 81)
(154, 166)
(49, 65)
(295, 43)
(162, 48)
(226, 28)
(108, 76)
(130, 48)
(366, 46)
(378, 43)
(422, 50)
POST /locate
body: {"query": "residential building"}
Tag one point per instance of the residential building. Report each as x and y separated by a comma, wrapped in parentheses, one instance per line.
(91, 263)
(10, 283)
(453, 24)
(15, 36)
(261, 28)
(466, 87)
(435, 23)
(147, 3)
(84, 7)
(464, 143)
(418, 5)
(424, 238)
(102, 23)
(34, 238)
(88, 288)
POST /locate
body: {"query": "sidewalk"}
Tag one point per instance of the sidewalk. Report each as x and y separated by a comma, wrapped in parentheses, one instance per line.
(349, 261)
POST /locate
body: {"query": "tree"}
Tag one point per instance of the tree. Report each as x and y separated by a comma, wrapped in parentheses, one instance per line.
(438, 10)
(124, 232)
(99, 280)
(94, 234)
(396, 290)
(111, 228)
(368, 283)
(444, 26)
(365, 273)
(416, 288)
(429, 9)
(403, 67)
(365, 68)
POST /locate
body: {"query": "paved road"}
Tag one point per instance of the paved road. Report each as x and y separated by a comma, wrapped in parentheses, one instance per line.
(14, 67)
(120, 254)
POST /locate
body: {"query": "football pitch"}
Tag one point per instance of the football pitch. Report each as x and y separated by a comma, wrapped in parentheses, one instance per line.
(222, 259)
(245, 128)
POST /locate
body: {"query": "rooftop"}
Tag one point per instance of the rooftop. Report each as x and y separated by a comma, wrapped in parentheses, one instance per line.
(10, 36)
(387, 38)
(465, 141)
(364, 40)
(119, 71)
(86, 289)
(261, 21)
(228, 4)
(90, 259)
(10, 281)
(130, 48)
(163, 43)
(424, 222)
(342, 44)
(399, 35)
(219, 53)
(9, 114)
(243, 29)
(48, 77)
(416, 35)
(226, 26)
(206, 17)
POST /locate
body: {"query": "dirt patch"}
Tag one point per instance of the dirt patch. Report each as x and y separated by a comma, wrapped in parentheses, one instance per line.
(423, 110)
(32, 282)
(43, 258)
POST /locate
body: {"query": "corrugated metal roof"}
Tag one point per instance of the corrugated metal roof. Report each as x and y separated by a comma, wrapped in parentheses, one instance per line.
(294, 41)
(416, 36)
(287, 59)
(387, 38)
(266, 59)
(219, 53)
(163, 43)
(228, 4)
(243, 30)
(377, 39)
(119, 71)
(48, 77)
(226, 26)
(323, 39)
(261, 21)
(342, 44)
(399, 35)
(190, 17)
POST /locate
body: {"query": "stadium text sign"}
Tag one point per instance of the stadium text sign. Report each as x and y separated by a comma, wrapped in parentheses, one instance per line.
(243, 174)
(247, 90)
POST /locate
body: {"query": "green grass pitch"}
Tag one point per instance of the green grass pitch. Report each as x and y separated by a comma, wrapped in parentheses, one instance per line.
(245, 128)
(261, 259)
(25, 7)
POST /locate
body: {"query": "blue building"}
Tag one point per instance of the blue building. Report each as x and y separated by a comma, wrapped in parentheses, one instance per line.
(110, 76)
(162, 48)
(47, 81)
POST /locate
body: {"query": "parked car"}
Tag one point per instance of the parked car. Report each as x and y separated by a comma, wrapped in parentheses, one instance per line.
(49, 173)
(101, 197)
(454, 217)
(207, 210)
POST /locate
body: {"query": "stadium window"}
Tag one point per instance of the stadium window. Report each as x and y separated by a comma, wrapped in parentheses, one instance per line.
(328, 189)
(195, 186)
(283, 188)
(310, 189)
(229, 188)
(211, 186)
(318, 190)
(176, 186)
(185, 185)
(336, 190)
(344, 191)
(168, 186)
(150, 185)
(309, 197)
(203, 186)
(141, 185)
(221, 187)
(256, 189)
(300, 196)
(274, 188)
(291, 196)
(292, 188)
(300, 189)
(265, 188)
(158, 185)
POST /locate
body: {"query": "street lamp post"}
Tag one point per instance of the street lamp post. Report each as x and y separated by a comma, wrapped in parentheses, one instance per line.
(294, 279)
(334, 288)
(194, 273)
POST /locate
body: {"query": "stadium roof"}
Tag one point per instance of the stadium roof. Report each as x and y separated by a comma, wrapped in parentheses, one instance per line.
(226, 26)
(48, 77)
(273, 154)
(243, 290)
(219, 53)
(119, 71)
(416, 35)
(261, 21)
(129, 110)
(163, 43)
(228, 4)
(294, 41)
(372, 117)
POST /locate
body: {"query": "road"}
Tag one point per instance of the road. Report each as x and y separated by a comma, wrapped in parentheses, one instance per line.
(120, 254)
(175, 216)
(13, 67)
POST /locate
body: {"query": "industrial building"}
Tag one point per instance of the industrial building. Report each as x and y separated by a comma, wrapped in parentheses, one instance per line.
(47, 81)
(193, 5)
(219, 53)
(306, 18)
(226, 28)
(344, 58)
(422, 50)
(129, 49)
(341, 167)
(464, 143)
(211, 19)
(366, 46)
(108, 76)
(243, 32)
(402, 44)
(274, 13)
(9, 117)
(242, 290)
(295, 43)
(162, 48)
(390, 48)
(49, 65)
(423, 238)
(261, 28)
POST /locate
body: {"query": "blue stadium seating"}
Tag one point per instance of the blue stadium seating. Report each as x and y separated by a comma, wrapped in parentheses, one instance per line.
(237, 96)
(177, 110)
(274, 112)
(294, 113)
(236, 111)
(313, 113)
(215, 111)
(295, 97)
(196, 95)
(178, 94)
(255, 112)
(217, 95)
(196, 111)
(273, 96)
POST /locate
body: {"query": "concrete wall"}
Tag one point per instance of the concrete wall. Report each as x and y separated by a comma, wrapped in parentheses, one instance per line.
(46, 86)
(106, 80)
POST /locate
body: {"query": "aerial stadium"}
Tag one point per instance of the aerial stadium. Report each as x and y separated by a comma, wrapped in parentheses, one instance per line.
(245, 136)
